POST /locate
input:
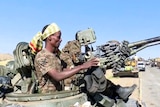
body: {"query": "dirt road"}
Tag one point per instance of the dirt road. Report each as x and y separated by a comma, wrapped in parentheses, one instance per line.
(150, 86)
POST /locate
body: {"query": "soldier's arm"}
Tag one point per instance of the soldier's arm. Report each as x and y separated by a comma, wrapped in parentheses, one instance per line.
(60, 75)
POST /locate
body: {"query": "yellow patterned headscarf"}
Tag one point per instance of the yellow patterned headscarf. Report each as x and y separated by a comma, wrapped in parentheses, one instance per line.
(36, 43)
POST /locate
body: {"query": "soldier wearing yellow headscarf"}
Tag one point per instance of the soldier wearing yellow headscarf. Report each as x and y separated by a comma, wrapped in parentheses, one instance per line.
(47, 62)
(36, 43)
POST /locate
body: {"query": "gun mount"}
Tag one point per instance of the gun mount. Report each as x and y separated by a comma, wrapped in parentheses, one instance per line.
(113, 54)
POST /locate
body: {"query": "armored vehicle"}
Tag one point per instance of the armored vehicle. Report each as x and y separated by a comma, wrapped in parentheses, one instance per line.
(19, 85)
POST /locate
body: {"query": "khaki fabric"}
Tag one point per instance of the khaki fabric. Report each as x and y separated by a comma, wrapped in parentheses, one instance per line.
(44, 62)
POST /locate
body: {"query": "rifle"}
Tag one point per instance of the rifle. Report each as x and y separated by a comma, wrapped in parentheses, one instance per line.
(112, 54)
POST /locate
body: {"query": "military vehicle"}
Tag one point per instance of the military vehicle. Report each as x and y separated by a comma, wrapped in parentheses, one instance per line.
(19, 89)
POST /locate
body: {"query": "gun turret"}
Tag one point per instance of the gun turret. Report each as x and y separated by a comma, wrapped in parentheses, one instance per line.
(113, 54)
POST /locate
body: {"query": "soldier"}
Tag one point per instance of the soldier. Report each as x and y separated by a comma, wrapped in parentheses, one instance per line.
(48, 65)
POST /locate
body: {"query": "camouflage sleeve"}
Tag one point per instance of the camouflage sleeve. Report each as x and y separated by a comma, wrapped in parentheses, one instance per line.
(48, 63)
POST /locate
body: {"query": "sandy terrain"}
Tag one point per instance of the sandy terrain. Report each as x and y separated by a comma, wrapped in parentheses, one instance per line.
(4, 58)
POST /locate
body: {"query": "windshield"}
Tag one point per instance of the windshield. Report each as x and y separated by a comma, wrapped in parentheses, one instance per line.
(140, 63)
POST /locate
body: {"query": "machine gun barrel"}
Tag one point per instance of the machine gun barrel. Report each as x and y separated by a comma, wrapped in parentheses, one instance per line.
(141, 42)
(139, 45)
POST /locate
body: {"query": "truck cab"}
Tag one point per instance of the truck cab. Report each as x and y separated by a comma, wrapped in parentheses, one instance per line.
(141, 66)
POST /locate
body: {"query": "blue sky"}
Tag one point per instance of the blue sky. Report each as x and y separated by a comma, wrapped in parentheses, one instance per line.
(130, 20)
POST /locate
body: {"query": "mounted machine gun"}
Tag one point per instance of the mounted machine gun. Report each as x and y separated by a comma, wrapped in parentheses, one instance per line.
(112, 54)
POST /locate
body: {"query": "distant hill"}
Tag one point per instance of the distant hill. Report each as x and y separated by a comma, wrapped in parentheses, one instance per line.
(7, 56)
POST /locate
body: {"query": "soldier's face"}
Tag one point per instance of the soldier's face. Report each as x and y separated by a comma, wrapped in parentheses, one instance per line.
(56, 39)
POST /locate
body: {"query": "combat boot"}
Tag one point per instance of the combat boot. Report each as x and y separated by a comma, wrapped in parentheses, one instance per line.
(116, 91)
(125, 92)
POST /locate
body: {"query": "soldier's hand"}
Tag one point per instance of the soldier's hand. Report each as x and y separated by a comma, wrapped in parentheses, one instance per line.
(92, 62)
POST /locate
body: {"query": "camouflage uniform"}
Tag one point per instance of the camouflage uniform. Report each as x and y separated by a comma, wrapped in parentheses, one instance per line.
(71, 52)
(44, 62)
(69, 55)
